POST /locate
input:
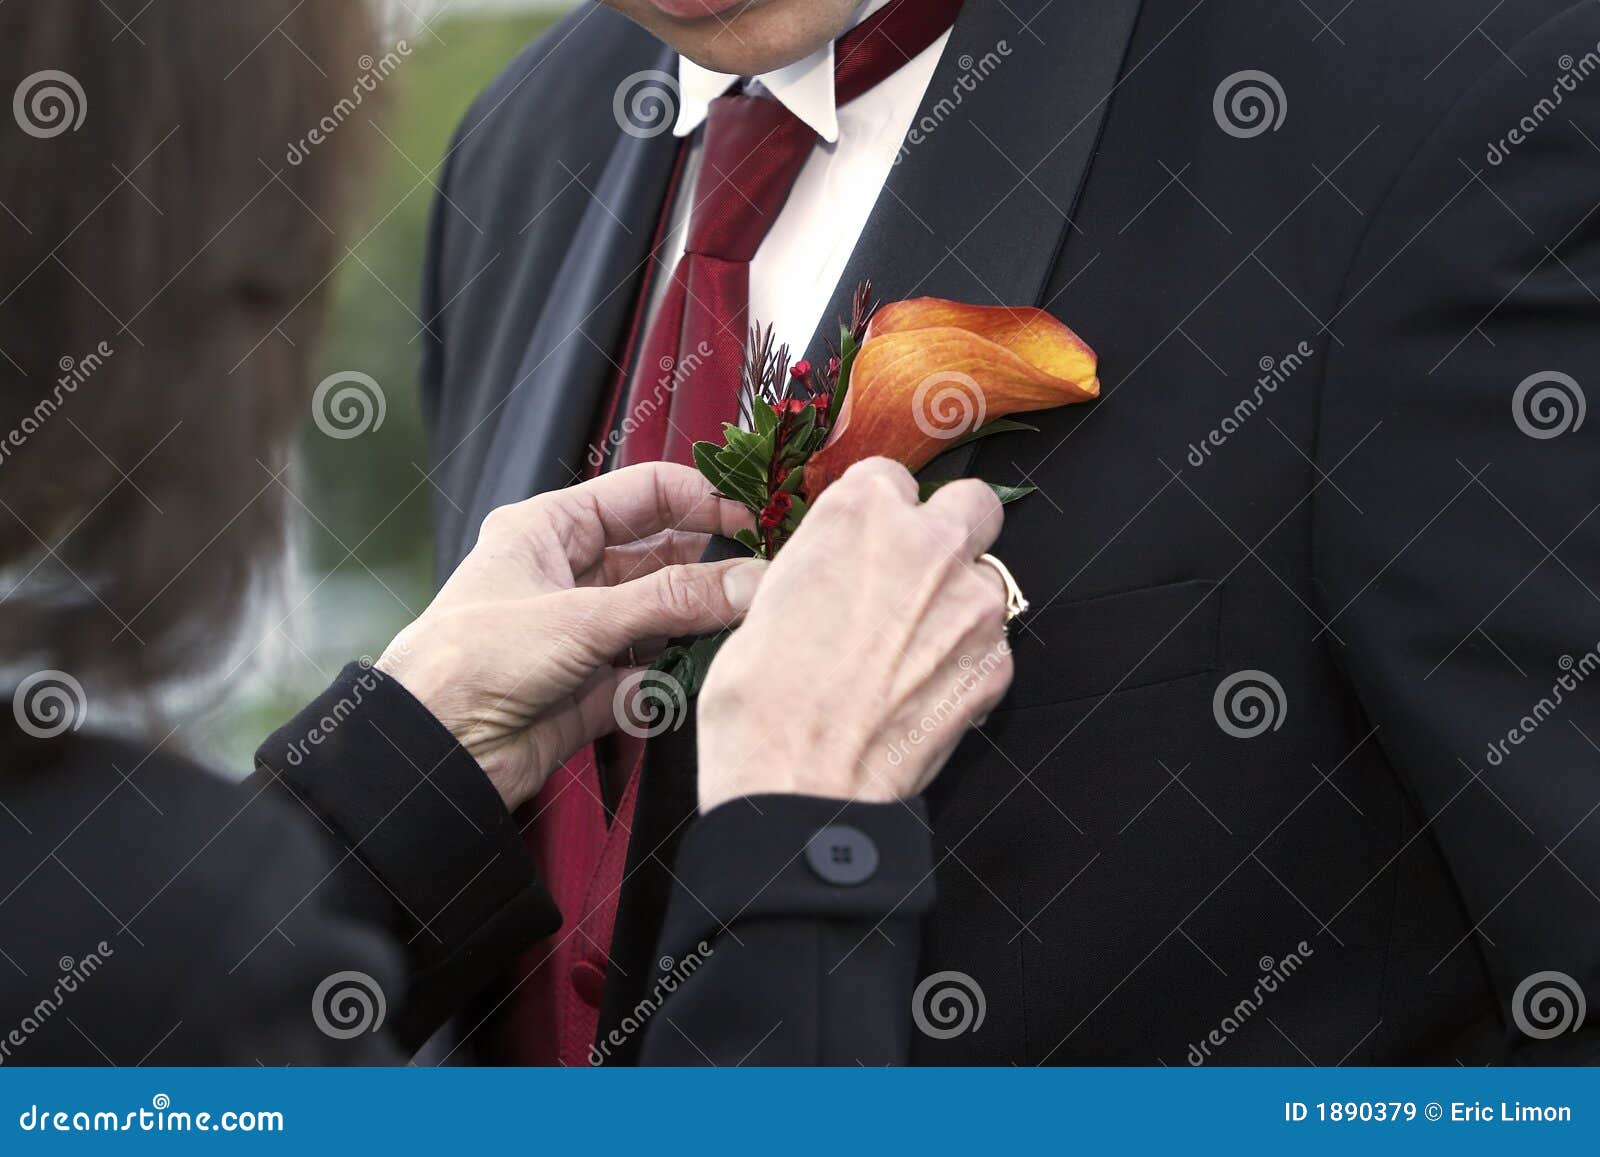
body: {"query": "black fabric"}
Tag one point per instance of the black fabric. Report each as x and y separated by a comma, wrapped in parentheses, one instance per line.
(1373, 529)
(445, 863)
(154, 914)
(367, 883)
(767, 837)
(788, 968)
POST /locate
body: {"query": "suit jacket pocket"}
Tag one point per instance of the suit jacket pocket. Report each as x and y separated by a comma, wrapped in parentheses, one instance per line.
(1115, 643)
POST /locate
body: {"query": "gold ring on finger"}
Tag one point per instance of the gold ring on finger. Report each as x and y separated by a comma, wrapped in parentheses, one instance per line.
(1016, 601)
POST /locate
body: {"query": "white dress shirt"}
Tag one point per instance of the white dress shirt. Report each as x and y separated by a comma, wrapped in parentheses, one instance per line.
(798, 266)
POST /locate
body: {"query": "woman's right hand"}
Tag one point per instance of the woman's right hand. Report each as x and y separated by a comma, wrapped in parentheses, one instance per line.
(518, 655)
(876, 640)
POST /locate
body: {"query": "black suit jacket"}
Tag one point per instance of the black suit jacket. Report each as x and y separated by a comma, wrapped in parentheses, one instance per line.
(368, 882)
(1308, 474)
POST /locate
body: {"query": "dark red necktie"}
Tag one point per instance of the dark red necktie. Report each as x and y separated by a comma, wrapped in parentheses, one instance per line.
(753, 152)
(687, 379)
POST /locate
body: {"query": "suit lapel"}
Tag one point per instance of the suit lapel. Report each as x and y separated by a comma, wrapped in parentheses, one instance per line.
(978, 211)
(978, 208)
(541, 437)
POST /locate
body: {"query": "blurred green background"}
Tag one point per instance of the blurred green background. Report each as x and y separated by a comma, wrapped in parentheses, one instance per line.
(364, 562)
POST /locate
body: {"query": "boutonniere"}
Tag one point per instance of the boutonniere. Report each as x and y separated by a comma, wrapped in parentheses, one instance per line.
(910, 381)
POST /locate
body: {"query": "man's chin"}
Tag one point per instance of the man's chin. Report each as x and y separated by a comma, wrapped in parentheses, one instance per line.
(695, 9)
(741, 37)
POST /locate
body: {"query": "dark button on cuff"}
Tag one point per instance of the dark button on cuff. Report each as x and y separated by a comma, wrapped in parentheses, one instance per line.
(843, 855)
(589, 982)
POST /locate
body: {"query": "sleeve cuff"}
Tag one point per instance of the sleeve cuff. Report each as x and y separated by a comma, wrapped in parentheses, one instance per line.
(802, 857)
(398, 790)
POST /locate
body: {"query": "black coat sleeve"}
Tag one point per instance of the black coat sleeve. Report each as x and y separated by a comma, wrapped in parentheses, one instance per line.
(171, 919)
(1458, 534)
(792, 936)
(427, 850)
(304, 985)
(768, 958)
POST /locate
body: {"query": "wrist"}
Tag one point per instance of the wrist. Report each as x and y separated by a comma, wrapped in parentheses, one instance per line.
(435, 679)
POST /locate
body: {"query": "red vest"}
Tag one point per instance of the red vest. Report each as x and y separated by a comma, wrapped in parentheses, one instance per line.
(554, 1010)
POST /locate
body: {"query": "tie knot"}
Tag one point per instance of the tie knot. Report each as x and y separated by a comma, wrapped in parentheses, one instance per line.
(754, 151)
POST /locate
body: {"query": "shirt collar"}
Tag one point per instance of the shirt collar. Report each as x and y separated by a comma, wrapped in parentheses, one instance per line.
(805, 88)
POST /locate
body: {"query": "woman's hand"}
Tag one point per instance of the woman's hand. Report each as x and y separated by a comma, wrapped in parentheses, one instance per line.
(516, 655)
(876, 641)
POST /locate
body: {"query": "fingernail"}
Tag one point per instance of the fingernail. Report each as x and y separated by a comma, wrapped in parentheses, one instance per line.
(740, 583)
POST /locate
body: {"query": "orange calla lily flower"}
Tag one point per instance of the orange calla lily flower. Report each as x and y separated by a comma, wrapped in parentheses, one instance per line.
(932, 371)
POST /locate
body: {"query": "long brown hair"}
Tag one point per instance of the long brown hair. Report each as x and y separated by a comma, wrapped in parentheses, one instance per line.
(161, 285)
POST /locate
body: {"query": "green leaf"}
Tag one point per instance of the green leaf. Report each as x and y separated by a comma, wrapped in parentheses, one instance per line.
(751, 539)
(799, 448)
(998, 426)
(847, 364)
(737, 486)
(791, 521)
(795, 480)
(748, 452)
(689, 665)
(765, 420)
(1006, 494)
(1010, 494)
(706, 461)
(743, 466)
(677, 664)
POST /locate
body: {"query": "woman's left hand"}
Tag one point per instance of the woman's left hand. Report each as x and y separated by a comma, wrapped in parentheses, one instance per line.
(516, 654)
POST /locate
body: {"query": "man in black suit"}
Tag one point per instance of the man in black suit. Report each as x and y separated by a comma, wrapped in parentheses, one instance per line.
(1300, 764)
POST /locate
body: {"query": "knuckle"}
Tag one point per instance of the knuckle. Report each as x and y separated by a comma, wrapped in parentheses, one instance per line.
(949, 529)
(679, 596)
(882, 477)
(497, 524)
(969, 492)
(517, 520)
(865, 469)
(1002, 669)
(986, 503)
(980, 597)
(997, 683)
(837, 501)
(885, 486)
